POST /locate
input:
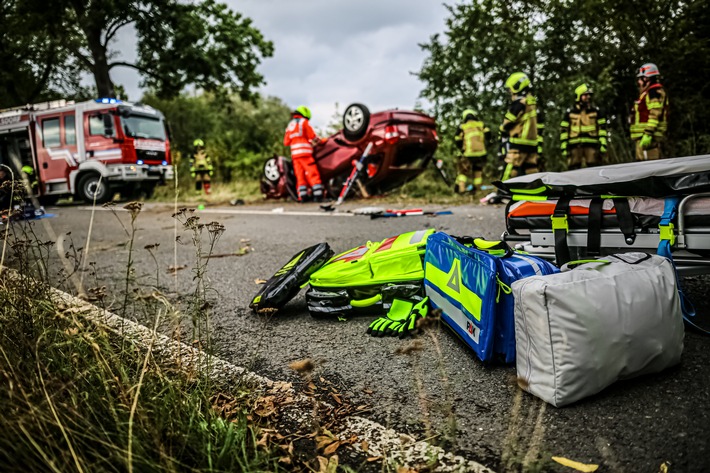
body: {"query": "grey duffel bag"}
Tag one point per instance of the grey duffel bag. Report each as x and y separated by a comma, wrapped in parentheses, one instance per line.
(580, 330)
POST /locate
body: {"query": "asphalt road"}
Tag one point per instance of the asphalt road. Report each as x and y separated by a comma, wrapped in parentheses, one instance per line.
(442, 391)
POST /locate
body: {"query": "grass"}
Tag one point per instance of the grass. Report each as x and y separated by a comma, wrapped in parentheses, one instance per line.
(75, 397)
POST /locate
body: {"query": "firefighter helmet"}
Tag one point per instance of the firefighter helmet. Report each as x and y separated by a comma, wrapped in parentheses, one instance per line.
(648, 70)
(198, 143)
(581, 90)
(517, 82)
(468, 113)
(304, 111)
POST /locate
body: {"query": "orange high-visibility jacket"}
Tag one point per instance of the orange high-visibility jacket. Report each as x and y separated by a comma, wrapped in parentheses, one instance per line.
(299, 135)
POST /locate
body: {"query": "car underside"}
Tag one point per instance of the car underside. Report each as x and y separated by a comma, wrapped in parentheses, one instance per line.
(402, 145)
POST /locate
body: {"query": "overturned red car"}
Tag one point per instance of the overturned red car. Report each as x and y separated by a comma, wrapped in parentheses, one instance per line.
(403, 144)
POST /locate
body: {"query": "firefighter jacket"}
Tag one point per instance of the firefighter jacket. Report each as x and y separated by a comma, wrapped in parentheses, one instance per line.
(299, 136)
(471, 138)
(200, 162)
(520, 124)
(650, 113)
(583, 127)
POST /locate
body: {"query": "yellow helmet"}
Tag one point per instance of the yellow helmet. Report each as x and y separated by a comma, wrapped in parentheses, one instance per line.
(305, 111)
(468, 112)
(581, 90)
(198, 142)
(517, 81)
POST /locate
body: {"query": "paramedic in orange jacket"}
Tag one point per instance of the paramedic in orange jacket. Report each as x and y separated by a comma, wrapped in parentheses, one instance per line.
(301, 138)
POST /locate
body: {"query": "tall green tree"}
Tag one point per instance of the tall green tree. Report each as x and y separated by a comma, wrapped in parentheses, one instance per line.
(35, 64)
(201, 43)
(561, 44)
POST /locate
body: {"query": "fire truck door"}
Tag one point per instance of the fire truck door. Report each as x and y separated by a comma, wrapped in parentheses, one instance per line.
(53, 156)
(100, 137)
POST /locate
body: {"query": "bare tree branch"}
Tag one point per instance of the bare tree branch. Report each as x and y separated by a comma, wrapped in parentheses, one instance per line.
(133, 66)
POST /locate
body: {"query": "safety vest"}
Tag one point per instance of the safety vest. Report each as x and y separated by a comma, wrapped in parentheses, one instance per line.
(524, 133)
(583, 127)
(650, 115)
(299, 135)
(473, 137)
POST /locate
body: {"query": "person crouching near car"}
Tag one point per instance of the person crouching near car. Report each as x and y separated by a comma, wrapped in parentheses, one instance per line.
(301, 138)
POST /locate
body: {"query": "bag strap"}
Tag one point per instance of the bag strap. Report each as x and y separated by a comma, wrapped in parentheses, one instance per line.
(626, 220)
(667, 236)
(594, 232)
(560, 227)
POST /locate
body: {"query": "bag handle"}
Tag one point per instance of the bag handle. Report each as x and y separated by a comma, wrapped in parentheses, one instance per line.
(639, 260)
(569, 266)
(493, 247)
(366, 302)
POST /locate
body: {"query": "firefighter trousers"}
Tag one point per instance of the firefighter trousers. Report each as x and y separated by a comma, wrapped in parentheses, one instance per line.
(519, 163)
(307, 175)
(587, 156)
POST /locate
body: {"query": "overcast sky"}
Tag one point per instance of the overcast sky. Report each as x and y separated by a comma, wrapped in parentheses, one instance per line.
(334, 51)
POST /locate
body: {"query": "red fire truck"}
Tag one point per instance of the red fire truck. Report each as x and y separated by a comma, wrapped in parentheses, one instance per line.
(89, 150)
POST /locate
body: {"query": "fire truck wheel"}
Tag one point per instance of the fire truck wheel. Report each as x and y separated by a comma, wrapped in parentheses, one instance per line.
(90, 186)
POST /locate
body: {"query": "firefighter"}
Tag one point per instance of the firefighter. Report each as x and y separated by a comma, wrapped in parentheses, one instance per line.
(649, 117)
(28, 172)
(201, 168)
(471, 140)
(521, 143)
(301, 138)
(583, 134)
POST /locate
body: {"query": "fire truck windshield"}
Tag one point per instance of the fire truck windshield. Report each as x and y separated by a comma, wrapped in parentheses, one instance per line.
(139, 126)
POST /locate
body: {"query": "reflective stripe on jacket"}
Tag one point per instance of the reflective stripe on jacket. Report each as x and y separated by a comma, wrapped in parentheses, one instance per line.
(650, 113)
(471, 136)
(299, 135)
(200, 161)
(521, 123)
(583, 127)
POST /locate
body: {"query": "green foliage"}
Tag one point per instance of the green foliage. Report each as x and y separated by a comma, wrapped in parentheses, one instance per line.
(201, 43)
(35, 65)
(561, 44)
(239, 135)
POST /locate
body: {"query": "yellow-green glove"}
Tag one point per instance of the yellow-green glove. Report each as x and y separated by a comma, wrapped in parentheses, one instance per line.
(393, 321)
(419, 311)
(646, 141)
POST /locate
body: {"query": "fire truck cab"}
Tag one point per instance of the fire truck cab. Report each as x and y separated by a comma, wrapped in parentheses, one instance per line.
(89, 150)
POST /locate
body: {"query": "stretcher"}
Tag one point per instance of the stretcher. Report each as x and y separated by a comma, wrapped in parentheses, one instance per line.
(590, 212)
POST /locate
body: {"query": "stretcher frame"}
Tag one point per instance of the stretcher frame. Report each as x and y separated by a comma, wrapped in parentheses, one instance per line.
(691, 249)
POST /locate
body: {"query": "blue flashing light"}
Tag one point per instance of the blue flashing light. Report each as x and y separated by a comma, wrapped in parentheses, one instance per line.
(107, 100)
(165, 163)
(139, 162)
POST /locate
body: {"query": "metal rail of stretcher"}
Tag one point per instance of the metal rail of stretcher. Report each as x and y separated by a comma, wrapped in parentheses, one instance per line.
(691, 251)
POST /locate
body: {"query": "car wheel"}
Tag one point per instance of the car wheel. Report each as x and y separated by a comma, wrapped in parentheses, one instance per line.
(91, 187)
(356, 119)
(271, 170)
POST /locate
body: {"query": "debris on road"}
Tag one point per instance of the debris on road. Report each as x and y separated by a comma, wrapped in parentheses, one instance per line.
(583, 467)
